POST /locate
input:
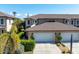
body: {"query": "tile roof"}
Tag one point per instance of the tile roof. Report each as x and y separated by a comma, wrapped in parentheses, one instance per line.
(53, 27)
(55, 16)
(5, 15)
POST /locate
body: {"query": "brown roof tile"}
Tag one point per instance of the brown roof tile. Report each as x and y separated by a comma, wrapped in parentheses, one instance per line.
(53, 27)
(55, 16)
(5, 15)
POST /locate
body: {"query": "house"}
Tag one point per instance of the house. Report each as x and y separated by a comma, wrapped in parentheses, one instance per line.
(29, 22)
(46, 32)
(5, 22)
(72, 19)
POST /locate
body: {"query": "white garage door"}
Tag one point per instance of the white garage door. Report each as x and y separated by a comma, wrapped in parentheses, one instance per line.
(44, 37)
(67, 36)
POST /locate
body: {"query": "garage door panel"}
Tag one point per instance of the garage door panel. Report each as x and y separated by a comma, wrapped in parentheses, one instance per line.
(67, 36)
(44, 37)
(50, 37)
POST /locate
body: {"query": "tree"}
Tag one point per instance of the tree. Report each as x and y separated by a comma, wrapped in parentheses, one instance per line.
(14, 13)
(58, 37)
(9, 43)
(19, 24)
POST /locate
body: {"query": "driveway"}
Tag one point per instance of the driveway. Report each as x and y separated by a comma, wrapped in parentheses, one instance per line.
(75, 49)
(46, 48)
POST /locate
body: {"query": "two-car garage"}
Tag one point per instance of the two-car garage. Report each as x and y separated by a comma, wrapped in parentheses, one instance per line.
(49, 37)
(46, 32)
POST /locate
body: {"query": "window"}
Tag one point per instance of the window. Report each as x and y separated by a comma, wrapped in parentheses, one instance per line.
(72, 22)
(65, 21)
(2, 31)
(2, 21)
(77, 22)
(28, 21)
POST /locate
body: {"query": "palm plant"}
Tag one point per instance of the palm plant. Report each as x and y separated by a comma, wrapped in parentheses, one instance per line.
(9, 42)
(58, 37)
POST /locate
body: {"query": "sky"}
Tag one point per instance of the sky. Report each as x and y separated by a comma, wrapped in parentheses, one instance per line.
(32, 9)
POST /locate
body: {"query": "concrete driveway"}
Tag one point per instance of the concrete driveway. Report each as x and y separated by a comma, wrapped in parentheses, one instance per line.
(46, 48)
(75, 49)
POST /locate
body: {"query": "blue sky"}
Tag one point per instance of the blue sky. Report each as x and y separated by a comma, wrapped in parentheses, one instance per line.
(32, 9)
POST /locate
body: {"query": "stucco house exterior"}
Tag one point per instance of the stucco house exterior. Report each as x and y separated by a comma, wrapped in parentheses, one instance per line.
(72, 19)
(46, 32)
(29, 22)
(5, 22)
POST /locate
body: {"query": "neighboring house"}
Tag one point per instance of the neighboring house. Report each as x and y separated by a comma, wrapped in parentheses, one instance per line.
(72, 19)
(29, 22)
(46, 32)
(5, 22)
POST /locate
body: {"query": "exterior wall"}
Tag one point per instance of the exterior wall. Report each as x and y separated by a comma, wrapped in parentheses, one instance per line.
(40, 21)
(8, 24)
(31, 22)
(62, 20)
(4, 20)
(2, 26)
(74, 21)
(2, 30)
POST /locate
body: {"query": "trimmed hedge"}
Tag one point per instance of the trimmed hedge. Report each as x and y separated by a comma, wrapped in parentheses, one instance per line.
(28, 44)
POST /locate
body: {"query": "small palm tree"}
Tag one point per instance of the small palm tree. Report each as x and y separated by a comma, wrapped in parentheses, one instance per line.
(14, 13)
(9, 43)
(58, 37)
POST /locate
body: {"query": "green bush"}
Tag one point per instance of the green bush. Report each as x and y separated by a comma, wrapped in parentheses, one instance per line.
(16, 39)
(3, 39)
(32, 37)
(59, 38)
(21, 34)
(28, 44)
(14, 29)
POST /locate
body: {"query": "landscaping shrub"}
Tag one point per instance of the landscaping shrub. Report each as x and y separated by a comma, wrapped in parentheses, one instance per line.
(59, 38)
(32, 37)
(28, 44)
(16, 39)
(3, 39)
(14, 29)
(21, 34)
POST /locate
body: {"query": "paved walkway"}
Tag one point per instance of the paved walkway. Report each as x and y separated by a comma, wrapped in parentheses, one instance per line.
(46, 48)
